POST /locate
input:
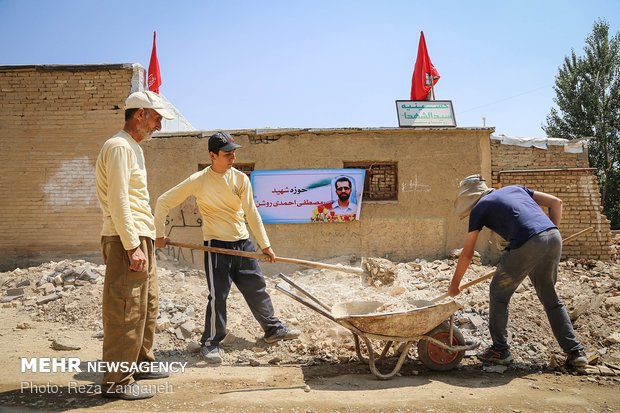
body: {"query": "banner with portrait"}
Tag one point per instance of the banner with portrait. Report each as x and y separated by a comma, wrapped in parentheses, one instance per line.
(308, 195)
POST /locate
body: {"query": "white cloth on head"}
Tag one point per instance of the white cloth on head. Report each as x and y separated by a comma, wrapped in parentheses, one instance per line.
(471, 189)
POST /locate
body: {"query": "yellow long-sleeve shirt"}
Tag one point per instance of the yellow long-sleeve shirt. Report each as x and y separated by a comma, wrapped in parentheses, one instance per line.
(122, 191)
(225, 201)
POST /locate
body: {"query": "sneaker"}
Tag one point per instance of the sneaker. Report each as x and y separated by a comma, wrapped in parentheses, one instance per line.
(211, 354)
(132, 391)
(151, 375)
(491, 355)
(282, 333)
(577, 358)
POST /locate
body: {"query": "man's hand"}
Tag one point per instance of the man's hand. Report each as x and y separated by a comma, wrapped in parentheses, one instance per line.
(269, 252)
(137, 259)
(161, 242)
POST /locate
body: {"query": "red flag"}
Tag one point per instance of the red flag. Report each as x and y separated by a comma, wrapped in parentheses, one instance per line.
(154, 79)
(424, 73)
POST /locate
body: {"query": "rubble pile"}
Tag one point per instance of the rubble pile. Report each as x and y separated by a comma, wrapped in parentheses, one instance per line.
(69, 293)
(615, 247)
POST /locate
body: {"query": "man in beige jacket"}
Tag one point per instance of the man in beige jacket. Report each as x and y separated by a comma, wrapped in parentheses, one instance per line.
(130, 293)
(224, 196)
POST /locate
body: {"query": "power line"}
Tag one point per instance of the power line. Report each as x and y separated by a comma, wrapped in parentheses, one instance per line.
(502, 100)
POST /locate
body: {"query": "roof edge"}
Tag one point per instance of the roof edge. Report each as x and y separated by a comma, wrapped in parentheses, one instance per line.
(68, 67)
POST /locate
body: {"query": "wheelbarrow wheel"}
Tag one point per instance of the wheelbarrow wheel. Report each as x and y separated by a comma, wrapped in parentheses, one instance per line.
(439, 359)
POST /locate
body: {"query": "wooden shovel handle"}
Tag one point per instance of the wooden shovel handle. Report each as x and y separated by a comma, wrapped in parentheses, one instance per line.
(248, 254)
(491, 273)
(262, 257)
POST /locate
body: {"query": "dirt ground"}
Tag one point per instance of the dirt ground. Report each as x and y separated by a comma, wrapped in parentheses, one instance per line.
(320, 371)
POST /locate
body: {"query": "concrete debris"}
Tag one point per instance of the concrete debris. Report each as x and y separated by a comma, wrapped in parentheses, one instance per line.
(15, 292)
(380, 271)
(471, 321)
(192, 347)
(185, 330)
(613, 338)
(494, 368)
(596, 370)
(228, 340)
(9, 298)
(47, 288)
(613, 302)
(24, 282)
(63, 344)
(606, 371)
(68, 294)
(48, 298)
(455, 254)
(162, 324)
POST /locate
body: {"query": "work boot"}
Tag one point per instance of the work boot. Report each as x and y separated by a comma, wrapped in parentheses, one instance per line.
(491, 355)
(577, 358)
(151, 375)
(211, 354)
(146, 374)
(282, 333)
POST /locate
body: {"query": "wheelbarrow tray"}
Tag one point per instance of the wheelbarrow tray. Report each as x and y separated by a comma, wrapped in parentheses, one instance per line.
(399, 325)
(427, 323)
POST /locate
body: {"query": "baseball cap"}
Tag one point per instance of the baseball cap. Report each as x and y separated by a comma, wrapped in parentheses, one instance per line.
(471, 189)
(222, 141)
(148, 100)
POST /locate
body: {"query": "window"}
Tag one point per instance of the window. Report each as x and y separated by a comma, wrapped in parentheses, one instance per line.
(246, 168)
(381, 183)
(243, 167)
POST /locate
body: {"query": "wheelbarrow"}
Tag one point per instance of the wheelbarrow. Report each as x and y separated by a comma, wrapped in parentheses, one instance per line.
(440, 344)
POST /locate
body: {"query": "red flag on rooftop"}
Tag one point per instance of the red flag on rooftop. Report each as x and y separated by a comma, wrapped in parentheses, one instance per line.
(424, 73)
(154, 77)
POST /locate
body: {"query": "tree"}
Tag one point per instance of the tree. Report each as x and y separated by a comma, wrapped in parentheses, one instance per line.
(588, 99)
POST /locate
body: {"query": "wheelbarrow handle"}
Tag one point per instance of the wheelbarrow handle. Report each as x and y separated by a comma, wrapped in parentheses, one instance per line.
(306, 293)
(305, 302)
(491, 273)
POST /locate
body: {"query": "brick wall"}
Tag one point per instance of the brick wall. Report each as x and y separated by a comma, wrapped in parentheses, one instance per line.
(53, 120)
(511, 157)
(567, 176)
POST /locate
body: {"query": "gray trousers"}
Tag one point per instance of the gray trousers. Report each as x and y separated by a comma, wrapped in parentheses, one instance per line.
(538, 258)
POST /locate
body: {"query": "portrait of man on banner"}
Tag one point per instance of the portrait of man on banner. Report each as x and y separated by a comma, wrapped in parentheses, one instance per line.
(343, 207)
(308, 195)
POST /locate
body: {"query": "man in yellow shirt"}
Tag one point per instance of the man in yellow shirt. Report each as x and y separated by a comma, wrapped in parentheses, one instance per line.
(130, 296)
(224, 197)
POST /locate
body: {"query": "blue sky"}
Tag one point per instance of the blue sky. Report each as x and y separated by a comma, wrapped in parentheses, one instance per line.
(321, 64)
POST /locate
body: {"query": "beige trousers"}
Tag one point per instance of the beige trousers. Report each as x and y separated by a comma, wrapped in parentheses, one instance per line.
(130, 305)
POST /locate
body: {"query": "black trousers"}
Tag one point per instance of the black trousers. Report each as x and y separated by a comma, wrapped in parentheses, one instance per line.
(221, 271)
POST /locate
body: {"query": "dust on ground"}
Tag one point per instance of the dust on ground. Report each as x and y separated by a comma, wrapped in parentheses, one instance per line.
(53, 310)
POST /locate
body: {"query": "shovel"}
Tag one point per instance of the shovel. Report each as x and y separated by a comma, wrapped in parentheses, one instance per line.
(491, 273)
(262, 257)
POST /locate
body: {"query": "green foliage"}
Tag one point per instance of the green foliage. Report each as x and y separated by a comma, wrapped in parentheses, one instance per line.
(588, 99)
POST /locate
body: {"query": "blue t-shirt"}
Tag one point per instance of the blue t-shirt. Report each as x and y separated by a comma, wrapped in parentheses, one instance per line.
(512, 213)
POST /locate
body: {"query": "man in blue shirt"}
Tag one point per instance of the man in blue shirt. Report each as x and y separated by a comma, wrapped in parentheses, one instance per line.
(534, 249)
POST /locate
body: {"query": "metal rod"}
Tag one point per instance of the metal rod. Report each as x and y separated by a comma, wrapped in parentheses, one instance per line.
(306, 293)
(306, 303)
